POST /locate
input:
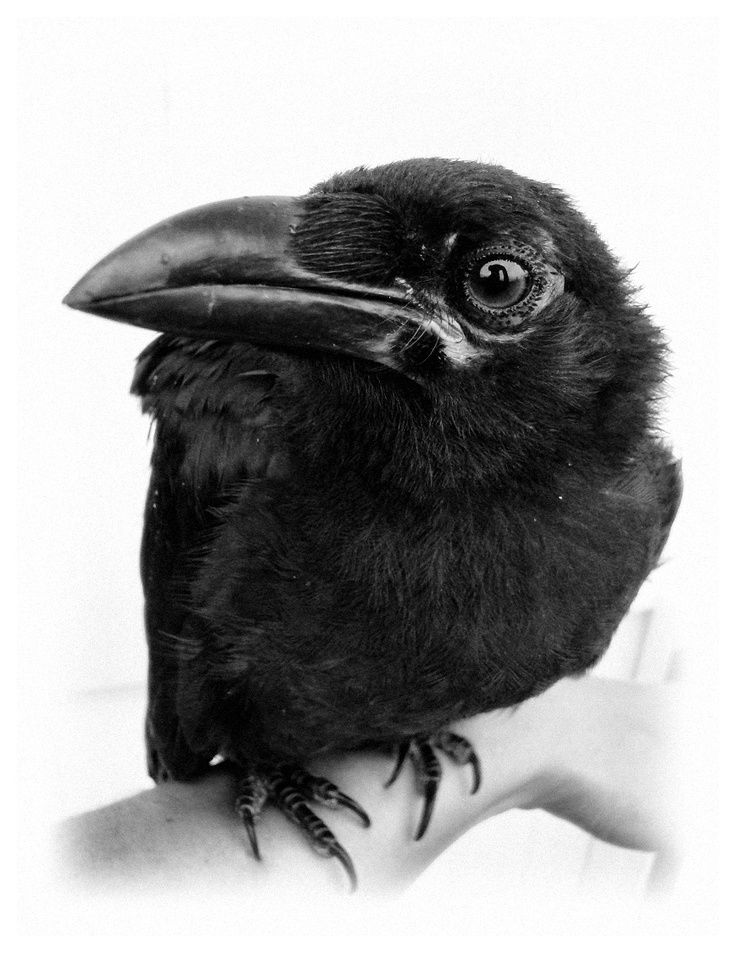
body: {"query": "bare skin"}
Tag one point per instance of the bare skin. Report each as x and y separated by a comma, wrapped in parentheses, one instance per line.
(595, 752)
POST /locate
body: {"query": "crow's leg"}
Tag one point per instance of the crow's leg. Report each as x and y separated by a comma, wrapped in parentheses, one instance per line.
(427, 767)
(290, 789)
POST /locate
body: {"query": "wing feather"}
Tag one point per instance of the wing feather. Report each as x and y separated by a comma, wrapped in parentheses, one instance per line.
(202, 451)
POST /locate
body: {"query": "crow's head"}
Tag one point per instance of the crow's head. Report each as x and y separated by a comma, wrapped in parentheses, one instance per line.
(487, 291)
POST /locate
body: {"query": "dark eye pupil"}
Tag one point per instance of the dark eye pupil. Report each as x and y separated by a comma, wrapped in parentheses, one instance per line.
(499, 283)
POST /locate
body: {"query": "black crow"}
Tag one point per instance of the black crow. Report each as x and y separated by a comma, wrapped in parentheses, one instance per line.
(405, 468)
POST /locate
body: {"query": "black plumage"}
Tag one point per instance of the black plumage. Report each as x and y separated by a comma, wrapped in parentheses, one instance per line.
(364, 524)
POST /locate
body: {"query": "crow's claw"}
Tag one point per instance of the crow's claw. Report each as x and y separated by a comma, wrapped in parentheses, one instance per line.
(460, 751)
(325, 792)
(428, 770)
(429, 774)
(290, 789)
(402, 752)
(251, 796)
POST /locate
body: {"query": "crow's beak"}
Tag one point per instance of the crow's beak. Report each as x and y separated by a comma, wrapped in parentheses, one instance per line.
(229, 271)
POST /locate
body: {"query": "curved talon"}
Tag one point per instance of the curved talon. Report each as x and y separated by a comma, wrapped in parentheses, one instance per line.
(251, 832)
(429, 775)
(344, 801)
(401, 754)
(430, 795)
(474, 762)
(325, 792)
(337, 851)
(249, 803)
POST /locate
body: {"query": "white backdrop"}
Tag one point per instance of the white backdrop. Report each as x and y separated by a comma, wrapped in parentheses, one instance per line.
(124, 122)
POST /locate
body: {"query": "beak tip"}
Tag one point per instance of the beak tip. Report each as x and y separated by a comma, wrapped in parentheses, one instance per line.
(78, 298)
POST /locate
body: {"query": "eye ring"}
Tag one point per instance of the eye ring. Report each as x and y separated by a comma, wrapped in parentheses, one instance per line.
(505, 283)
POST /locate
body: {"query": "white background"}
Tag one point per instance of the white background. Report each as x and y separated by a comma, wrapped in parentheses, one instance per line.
(126, 121)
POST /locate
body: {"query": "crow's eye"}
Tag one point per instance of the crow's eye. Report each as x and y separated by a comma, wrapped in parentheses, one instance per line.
(498, 283)
(506, 283)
